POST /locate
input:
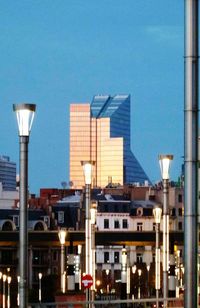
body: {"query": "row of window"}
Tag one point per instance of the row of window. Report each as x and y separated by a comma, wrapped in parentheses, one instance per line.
(116, 224)
(139, 225)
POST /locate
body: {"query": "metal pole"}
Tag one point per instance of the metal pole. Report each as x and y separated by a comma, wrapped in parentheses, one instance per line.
(87, 236)
(40, 290)
(165, 241)
(8, 299)
(191, 153)
(157, 263)
(4, 293)
(23, 232)
(62, 267)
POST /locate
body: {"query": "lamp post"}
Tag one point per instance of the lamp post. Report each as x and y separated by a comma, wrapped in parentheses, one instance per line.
(157, 212)
(87, 170)
(93, 213)
(8, 299)
(124, 273)
(25, 115)
(148, 269)
(4, 290)
(133, 269)
(139, 282)
(62, 236)
(18, 280)
(165, 161)
(40, 287)
(1, 277)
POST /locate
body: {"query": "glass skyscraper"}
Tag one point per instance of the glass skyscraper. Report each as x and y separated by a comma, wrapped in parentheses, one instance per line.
(101, 132)
(7, 173)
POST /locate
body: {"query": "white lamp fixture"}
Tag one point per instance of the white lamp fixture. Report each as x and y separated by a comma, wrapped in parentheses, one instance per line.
(139, 272)
(134, 269)
(157, 212)
(87, 170)
(165, 161)
(25, 115)
(62, 236)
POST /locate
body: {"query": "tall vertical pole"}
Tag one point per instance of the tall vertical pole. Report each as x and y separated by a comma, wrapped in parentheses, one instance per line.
(157, 263)
(191, 153)
(87, 236)
(23, 232)
(62, 268)
(165, 240)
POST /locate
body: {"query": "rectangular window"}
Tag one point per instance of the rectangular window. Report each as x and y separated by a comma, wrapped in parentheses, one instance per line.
(106, 223)
(180, 212)
(61, 217)
(125, 224)
(116, 224)
(116, 256)
(180, 226)
(139, 226)
(180, 198)
(106, 257)
(139, 258)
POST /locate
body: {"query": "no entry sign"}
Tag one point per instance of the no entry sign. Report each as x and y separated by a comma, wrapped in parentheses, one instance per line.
(87, 281)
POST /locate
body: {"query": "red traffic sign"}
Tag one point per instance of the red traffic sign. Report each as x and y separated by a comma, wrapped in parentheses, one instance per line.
(87, 281)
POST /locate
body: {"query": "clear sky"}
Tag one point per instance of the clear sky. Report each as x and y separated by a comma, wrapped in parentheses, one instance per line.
(55, 52)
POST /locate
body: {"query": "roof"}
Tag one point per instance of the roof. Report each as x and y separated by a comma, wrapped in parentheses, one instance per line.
(103, 106)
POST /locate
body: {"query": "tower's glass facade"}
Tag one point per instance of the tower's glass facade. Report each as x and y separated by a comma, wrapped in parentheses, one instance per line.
(101, 132)
(7, 173)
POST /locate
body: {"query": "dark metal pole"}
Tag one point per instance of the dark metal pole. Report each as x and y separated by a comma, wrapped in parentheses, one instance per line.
(157, 263)
(87, 236)
(165, 240)
(191, 153)
(23, 232)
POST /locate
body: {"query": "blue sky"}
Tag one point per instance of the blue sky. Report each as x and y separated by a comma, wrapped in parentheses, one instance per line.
(55, 52)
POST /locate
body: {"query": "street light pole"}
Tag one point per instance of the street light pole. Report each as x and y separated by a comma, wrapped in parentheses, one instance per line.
(191, 155)
(25, 116)
(157, 212)
(139, 283)
(87, 170)
(8, 299)
(165, 161)
(40, 287)
(62, 236)
(4, 290)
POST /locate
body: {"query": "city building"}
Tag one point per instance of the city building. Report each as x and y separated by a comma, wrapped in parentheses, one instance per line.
(100, 132)
(7, 173)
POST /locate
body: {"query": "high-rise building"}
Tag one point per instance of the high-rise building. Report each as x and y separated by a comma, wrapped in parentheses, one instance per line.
(7, 173)
(101, 132)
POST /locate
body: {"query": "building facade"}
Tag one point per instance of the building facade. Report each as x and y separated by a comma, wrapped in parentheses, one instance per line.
(7, 173)
(100, 132)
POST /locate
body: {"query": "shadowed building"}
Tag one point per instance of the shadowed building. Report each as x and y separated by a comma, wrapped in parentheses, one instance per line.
(101, 132)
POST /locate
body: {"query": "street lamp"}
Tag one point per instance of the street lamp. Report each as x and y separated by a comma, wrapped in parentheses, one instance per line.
(62, 236)
(87, 170)
(25, 115)
(148, 269)
(93, 214)
(18, 280)
(165, 161)
(124, 273)
(1, 276)
(8, 299)
(139, 282)
(4, 290)
(40, 287)
(157, 212)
